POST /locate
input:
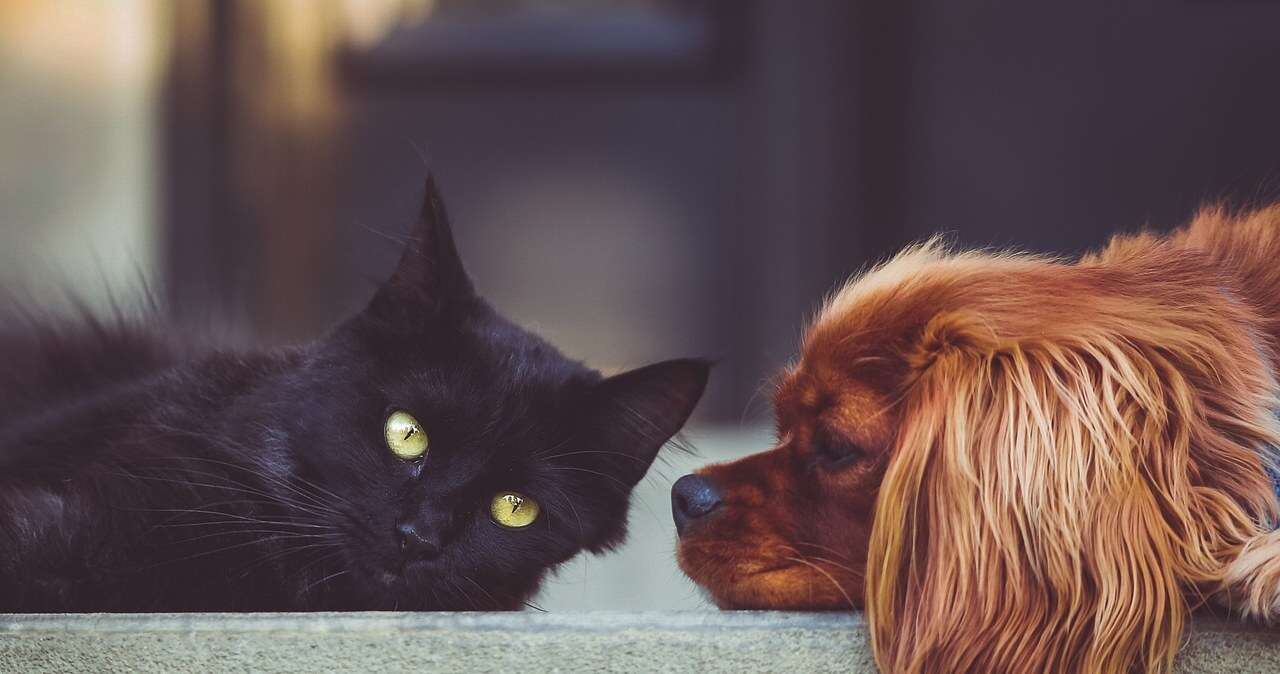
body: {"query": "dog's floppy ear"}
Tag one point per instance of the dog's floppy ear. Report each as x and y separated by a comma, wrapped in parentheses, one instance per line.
(1045, 508)
(949, 333)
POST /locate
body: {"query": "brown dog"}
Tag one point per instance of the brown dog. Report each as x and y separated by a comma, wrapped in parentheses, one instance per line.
(1017, 464)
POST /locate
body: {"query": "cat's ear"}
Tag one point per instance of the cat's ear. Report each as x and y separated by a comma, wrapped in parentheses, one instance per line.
(430, 275)
(638, 411)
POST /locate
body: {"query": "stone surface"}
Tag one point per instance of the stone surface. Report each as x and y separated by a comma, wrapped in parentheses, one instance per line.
(512, 643)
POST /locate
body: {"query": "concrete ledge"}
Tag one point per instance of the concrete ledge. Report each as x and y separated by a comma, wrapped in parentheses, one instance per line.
(512, 643)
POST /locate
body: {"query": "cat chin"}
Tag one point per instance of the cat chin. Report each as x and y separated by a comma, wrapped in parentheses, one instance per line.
(390, 591)
(416, 577)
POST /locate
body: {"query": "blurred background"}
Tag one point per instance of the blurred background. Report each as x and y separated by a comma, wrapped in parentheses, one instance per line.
(635, 179)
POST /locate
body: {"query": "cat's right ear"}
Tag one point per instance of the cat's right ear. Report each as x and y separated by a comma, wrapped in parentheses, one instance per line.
(430, 276)
(637, 412)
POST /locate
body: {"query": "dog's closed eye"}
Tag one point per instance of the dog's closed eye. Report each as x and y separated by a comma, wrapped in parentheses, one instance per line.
(835, 450)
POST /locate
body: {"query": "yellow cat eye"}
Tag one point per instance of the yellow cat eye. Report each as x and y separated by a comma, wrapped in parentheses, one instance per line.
(405, 436)
(513, 510)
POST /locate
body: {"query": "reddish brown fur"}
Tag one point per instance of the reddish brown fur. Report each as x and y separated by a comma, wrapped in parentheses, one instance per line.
(1058, 461)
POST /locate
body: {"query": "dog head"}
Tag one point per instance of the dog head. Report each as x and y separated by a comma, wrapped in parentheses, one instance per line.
(1014, 464)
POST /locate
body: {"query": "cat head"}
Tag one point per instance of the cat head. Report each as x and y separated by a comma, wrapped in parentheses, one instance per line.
(462, 456)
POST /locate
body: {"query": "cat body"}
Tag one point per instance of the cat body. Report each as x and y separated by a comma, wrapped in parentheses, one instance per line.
(140, 474)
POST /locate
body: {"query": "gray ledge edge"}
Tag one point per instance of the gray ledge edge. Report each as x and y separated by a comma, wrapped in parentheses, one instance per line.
(521, 643)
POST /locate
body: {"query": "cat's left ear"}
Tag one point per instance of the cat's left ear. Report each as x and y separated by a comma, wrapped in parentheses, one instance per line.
(430, 275)
(638, 411)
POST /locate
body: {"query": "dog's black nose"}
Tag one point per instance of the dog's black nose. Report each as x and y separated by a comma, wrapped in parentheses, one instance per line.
(415, 544)
(692, 497)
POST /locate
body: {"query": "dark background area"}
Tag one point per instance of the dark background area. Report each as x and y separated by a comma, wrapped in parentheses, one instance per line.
(642, 180)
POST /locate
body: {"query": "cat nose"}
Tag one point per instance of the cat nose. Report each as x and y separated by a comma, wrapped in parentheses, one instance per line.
(692, 497)
(415, 544)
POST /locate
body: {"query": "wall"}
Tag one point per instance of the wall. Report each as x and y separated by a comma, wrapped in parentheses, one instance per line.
(1053, 125)
(77, 168)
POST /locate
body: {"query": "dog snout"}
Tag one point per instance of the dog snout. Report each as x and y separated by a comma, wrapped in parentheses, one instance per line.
(692, 497)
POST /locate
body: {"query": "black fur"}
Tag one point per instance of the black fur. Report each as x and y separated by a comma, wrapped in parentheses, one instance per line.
(141, 475)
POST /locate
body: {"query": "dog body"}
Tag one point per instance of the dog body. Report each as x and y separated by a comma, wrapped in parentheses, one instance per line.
(1018, 464)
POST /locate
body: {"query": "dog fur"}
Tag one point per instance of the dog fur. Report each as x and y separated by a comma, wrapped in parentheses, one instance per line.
(1020, 464)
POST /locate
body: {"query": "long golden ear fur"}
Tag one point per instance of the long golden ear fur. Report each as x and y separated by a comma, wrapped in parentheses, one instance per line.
(1053, 502)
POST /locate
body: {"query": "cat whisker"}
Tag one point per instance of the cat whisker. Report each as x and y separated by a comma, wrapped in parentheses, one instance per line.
(471, 603)
(277, 535)
(318, 561)
(283, 526)
(291, 550)
(542, 452)
(313, 498)
(207, 553)
(326, 579)
(235, 517)
(496, 604)
(307, 509)
(263, 475)
(239, 521)
(592, 451)
(179, 512)
(322, 490)
(620, 483)
(582, 536)
(226, 487)
(319, 490)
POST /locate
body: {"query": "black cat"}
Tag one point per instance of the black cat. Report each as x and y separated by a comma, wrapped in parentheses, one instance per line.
(426, 455)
